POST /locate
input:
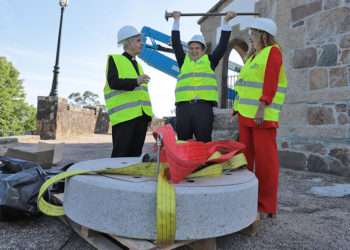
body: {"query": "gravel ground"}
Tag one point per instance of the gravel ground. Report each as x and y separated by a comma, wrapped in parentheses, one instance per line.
(305, 221)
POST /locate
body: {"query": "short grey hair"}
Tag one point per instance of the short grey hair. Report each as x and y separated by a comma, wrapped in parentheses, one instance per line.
(126, 43)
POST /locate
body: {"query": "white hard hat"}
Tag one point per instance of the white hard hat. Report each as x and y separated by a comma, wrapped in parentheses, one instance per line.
(127, 32)
(197, 39)
(265, 24)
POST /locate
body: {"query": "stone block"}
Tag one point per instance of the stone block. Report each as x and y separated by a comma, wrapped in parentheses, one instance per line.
(337, 168)
(222, 120)
(329, 55)
(318, 79)
(330, 94)
(305, 10)
(328, 24)
(343, 119)
(329, 4)
(317, 163)
(342, 107)
(338, 77)
(293, 160)
(321, 132)
(320, 116)
(298, 85)
(345, 57)
(345, 41)
(342, 154)
(294, 114)
(304, 58)
(8, 140)
(44, 154)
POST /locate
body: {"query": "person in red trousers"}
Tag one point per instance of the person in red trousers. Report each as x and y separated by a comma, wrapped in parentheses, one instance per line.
(260, 94)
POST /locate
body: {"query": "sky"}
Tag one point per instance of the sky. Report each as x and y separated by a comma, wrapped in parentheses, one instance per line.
(28, 38)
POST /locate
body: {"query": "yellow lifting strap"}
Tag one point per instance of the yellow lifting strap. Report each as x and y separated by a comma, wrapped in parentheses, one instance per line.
(166, 197)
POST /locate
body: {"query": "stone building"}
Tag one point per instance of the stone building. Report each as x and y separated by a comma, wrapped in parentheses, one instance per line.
(315, 36)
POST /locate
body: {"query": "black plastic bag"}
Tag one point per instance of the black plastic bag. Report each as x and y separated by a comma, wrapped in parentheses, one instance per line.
(20, 182)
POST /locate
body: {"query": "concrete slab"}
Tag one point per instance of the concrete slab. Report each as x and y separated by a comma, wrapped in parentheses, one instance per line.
(336, 190)
(205, 208)
(44, 154)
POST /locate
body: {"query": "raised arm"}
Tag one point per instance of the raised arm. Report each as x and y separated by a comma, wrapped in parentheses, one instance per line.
(176, 40)
(220, 49)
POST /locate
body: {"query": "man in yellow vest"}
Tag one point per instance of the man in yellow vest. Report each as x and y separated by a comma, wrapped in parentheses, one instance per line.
(126, 96)
(196, 89)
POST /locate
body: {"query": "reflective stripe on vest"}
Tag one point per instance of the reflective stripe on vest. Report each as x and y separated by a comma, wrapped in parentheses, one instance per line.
(201, 75)
(249, 88)
(194, 88)
(119, 92)
(196, 81)
(126, 105)
(256, 103)
(258, 85)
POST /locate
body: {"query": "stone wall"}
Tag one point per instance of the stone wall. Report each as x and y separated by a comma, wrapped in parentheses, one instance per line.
(57, 119)
(315, 122)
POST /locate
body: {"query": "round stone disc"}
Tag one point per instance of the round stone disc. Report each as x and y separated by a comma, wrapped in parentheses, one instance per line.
(126, 205)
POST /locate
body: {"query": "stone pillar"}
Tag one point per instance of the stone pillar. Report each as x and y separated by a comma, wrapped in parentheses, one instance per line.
(57, 119)
(46, 117)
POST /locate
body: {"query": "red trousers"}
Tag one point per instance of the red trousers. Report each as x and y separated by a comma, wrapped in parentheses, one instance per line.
(262, 156)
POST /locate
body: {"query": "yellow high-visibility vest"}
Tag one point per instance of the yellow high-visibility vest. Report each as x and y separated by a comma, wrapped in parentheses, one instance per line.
(249, 88)
(126, 105)
(196, 81)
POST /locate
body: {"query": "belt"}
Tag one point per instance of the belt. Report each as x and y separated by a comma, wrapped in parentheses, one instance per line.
(195, 101)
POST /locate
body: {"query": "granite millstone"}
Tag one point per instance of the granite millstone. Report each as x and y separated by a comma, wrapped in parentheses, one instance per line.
(126, 205)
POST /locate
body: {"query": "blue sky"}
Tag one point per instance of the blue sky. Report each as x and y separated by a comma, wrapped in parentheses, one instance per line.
(28, 36)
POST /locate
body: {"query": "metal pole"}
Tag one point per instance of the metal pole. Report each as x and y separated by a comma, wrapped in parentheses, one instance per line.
(170, 14)
(56, 68)
(159, 143)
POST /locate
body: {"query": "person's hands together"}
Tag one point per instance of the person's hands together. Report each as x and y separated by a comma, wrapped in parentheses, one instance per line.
(143, 79)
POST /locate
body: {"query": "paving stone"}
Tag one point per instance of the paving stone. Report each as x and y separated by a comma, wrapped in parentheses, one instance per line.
(316, 163)
(342, 154)
(292, 160)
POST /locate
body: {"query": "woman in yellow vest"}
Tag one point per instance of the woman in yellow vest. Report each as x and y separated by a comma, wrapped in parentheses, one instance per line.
(261, 90)
(196, 89)
(126, 96)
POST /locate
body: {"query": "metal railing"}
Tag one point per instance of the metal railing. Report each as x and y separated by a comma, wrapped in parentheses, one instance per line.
(231, 80)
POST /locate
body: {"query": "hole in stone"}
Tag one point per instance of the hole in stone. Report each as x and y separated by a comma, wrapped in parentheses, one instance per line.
(136, 177)
(190, 181)
(228, 173)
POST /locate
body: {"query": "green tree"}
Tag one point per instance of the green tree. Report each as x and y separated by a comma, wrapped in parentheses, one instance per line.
(16, 115)
(87, 99)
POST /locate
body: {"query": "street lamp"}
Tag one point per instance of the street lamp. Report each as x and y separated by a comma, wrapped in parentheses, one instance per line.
(53, 92)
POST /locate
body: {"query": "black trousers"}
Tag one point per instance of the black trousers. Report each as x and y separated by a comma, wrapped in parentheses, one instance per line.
(129, 137)
(194, 118)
